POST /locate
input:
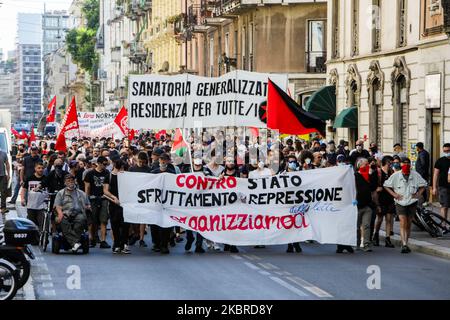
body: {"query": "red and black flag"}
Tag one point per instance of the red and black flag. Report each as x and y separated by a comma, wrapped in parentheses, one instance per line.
(287, 116)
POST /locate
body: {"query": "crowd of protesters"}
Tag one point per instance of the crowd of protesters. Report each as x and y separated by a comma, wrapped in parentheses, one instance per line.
(387, 185)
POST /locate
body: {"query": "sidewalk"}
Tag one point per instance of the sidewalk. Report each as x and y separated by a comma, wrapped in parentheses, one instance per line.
(421, 241)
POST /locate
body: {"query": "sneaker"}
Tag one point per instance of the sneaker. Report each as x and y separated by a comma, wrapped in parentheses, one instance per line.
(340, 249)
(234, 249)
(408, 249)
(172, 242)
(142, 244)
(388, 243)
(290, 248)
(92, 243)
(297, 247)
(367, 248)
(155, 248)
(404, 249)
(349, 249)
(226, 247)
(116, 250)
(104, 245)
(376, 239)
(199, 250)
(165, 251)
(5, 211)
(216, 247)
(76, 246)
(188, 245)
(125, 250)
(133, 240)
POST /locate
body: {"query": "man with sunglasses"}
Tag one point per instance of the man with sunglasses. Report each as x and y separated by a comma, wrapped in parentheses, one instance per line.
(94, 181)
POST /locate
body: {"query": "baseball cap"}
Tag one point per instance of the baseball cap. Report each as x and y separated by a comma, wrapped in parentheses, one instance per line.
(158, 152)
(340, 158)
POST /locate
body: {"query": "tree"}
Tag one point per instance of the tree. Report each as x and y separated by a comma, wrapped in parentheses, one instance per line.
(91, 10)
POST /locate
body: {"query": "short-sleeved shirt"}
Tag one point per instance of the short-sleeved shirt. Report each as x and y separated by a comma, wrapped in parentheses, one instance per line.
(65, 199)
(97, 180)
(3, 161)
(443, 165)
(32, 182)
(405, 188)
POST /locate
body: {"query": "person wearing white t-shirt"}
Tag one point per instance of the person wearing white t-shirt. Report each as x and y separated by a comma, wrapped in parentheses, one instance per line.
(261, 172)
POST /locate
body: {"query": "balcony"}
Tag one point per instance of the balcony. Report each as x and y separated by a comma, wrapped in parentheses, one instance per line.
(138, 54)
(224, 8)
(315, 61)
(118, 14)
(116, 54)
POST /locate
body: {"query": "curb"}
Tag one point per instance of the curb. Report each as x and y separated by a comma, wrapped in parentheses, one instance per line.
(421, 246)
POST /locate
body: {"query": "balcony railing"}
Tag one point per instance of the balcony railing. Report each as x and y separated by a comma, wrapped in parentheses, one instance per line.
(315, 61)
(138, 54)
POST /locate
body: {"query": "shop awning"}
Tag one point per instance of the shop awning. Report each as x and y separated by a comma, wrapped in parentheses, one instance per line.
(322, 103)
(347, 118)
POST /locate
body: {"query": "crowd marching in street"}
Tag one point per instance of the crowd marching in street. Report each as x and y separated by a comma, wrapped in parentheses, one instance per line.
(85, 184)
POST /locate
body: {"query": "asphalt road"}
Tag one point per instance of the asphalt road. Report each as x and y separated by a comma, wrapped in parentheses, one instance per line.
(269, 273)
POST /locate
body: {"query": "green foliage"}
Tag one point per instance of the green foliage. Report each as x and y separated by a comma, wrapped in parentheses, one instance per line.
(91, 10)
(81, 45)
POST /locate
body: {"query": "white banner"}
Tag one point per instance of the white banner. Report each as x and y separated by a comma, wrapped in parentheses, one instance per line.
(90, 121)
(308, 205)
(188, 101)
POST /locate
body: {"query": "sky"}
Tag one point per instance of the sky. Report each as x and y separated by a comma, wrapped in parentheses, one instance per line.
(8, 17)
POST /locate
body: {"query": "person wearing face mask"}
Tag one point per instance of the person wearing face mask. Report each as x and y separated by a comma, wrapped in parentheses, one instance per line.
(340, 159)
(396, 166)
(163, 234)
(71, 205)
(406, 187)
(359, 152)
(198, 168)
(375, 153)
(331, 155)
(441, 180)
(306, 159)
(119, 227)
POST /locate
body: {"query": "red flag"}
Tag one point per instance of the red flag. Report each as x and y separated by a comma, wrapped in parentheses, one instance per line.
(159, 134)
(52, 111)
(254, 131)
(70, 122)
(131, 135)
(122, 120)
(15, 133)
(32, 137)
(285, 115)
(23, 135)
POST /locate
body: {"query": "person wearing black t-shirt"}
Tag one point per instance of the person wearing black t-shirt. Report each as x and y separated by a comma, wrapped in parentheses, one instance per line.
(139, 229)
(197, 167)
(230, 171)
(119, 227)
(441, 180)
(94, 181)
(33, 200)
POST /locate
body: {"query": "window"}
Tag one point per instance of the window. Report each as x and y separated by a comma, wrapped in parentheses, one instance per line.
(355, 28)
(251, 46)
(227, 46)
(243, 49)
(316, 54)
(402, 21)
(376, 25)
(211, 57)
(335, 31)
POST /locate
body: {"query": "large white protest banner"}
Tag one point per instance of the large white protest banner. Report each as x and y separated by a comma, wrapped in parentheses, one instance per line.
(90, 121)
(308, 205)
(188, 101)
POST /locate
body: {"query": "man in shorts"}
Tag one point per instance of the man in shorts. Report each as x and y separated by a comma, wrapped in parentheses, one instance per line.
(441, 180)
(406, 187)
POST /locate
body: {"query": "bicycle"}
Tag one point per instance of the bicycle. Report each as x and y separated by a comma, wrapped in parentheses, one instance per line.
(433, 223)
(47, 223)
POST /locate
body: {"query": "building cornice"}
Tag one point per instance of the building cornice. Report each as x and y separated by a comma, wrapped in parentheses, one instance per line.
(388, 53)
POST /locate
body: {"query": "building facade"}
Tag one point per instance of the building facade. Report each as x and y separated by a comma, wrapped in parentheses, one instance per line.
(54, 29)
(389, 63)
(274, 37)
(29, 65)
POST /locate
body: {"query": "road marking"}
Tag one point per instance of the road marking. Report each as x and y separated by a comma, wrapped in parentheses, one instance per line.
(264, 273)
(310, 287)
(255, 257)
(268, 266)
(42, 266)
(236, 257)
(47, 284)
(45, 277)
(289, 287)
(251, 266)
(49, 292)
(249, 257)
(28, 290)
